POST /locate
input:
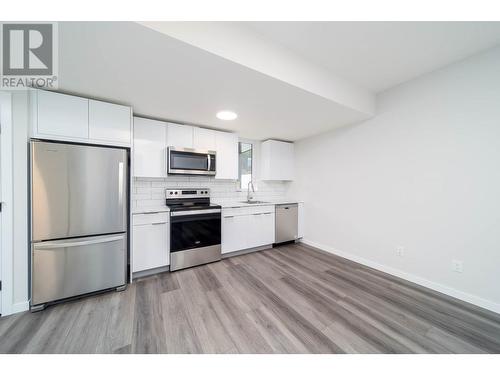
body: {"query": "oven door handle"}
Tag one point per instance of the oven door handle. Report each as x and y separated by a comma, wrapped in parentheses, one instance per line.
(195, 212)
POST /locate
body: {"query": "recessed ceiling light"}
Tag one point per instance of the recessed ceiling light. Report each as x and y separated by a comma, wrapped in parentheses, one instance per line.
(226, 115)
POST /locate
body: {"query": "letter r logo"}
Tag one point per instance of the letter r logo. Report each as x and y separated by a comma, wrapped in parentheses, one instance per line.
(27, 49)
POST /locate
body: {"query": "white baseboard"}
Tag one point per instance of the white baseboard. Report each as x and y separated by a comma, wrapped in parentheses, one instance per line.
(470, 298)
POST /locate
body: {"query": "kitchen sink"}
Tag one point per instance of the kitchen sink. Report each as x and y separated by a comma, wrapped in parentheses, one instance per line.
(253, 202)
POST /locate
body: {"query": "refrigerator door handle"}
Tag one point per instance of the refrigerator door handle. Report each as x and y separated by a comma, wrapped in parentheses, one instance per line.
(120, 183)
(49, 245)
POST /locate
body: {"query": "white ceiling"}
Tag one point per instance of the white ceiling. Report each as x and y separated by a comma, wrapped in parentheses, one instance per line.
(164, 78)
(285, 80)
(380, 55)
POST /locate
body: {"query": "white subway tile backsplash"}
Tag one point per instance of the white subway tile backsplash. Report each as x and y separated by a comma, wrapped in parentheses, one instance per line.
(141, 183)
(143, 190)
(150, 192)
(150, 203)
(158, 183)
(141, 197)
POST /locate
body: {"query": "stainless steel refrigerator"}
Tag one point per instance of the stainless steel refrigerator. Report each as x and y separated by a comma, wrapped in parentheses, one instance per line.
(79, 211)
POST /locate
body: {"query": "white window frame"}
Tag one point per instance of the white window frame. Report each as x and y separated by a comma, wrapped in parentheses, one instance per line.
(255, 148)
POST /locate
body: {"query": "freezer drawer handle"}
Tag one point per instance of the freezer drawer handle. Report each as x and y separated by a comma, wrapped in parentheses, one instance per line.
(57, 245)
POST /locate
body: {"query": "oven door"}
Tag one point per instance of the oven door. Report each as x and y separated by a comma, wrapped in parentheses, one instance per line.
(194, 229)
(191, 161)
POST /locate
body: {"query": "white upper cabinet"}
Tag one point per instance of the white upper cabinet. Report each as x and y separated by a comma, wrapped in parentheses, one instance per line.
(226, 145)
(277, 160)
(59, 116)
(150, 142)
(110, 122)
(180, 135)
(72, 118)
(204, 139)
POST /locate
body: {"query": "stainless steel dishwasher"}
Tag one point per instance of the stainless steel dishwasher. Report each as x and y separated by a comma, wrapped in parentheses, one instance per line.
(286, 222)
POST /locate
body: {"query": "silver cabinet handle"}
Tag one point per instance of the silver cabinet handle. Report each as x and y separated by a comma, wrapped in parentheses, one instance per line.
(58, 245)
(159, 223)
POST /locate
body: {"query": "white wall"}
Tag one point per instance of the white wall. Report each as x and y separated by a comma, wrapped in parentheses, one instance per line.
(423, 174)
(16, 277)
(20, 158)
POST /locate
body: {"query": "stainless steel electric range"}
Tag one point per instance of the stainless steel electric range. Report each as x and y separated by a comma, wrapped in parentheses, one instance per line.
(195, 228)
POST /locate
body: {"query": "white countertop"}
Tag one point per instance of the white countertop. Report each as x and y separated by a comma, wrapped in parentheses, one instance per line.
(229, 204)
(145, 210)
(222, 203)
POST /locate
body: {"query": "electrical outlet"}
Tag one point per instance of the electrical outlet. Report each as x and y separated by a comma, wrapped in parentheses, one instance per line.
(457, 266)
(400, 251)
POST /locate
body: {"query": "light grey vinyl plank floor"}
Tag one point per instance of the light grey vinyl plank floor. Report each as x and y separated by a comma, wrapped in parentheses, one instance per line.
(290, 299)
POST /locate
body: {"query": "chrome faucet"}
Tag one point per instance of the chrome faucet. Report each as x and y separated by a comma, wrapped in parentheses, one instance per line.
(249, 196)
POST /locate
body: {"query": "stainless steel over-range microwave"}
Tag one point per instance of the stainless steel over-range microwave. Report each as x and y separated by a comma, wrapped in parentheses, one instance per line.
(191, 161)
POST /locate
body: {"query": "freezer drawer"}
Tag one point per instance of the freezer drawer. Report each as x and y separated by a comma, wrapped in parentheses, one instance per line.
(286, 222)
(77, 190)
(67, 268)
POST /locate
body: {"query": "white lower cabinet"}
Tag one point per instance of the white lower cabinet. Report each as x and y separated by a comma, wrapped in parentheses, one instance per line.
(151, 241)
(233, 229)
(247, 227)
(300, 225)
(263, 225)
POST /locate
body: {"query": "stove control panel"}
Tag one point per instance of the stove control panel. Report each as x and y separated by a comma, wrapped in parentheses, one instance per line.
(187, 193)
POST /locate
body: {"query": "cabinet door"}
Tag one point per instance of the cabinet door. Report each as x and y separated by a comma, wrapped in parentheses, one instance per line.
(234, 233)
(261, 229)
(267, 228)
(300, 225)
(180, 135)
(150, 142)
(62, 116)
(109, 122)
(283, 154)
(150, 249)
(204, 139)
(227, 155)
(254, 230)
(277, 160)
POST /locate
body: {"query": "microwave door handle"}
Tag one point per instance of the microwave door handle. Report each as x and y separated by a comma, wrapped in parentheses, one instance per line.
(209, 162)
